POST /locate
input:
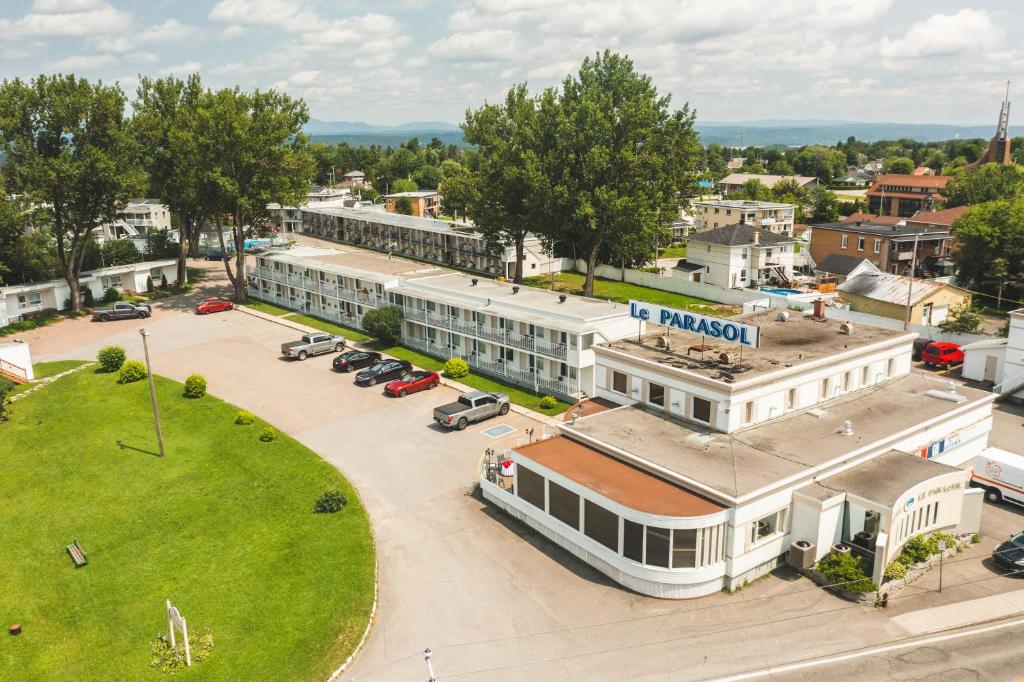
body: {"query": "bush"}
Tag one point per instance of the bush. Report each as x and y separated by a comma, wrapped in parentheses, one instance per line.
(163, 281)
(149, 283)
(110, 358)
(88, 300)
(915, 551)
(975, 539)
(895, 571)
(384, 324)
(456, 368)
(6, 386)
(330, 502)
(195, 386)
(111, 294)
(131, 371)
(244, 418)
(267, 434)
(168, 660)
(845, 571)
(548, 402)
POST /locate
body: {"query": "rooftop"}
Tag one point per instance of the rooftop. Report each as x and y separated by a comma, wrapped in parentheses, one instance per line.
(744, 462)
(739, 235)
(862, 217)
(768, 181)
(884, 479)
(743, 203)
(883, 286)
(413, 195)
(883, 229)
(629, 486)
(800, 339)
(901, 180)
(345, 261)
(841, 264)
(382, 217)
(944, 218)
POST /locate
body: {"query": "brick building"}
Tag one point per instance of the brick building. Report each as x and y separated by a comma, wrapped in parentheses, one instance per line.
(895, 194)
(889, 247)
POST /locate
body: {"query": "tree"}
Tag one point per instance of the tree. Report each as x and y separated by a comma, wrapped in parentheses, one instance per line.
(989, 232)
(403, 205)
(823, 207)
(499, 193)
(962, 319)
(900, 165)
(26, 247)
(753, 189)
(427, 176)
(259, 154)
(781, 167)
(68, 146)
(823, 163)
(615, 159)
(384, 324)
(985, 183)
(403, 185)
(120, 252)
(165, 122)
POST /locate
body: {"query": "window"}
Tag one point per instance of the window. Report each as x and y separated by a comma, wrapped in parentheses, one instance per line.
(860, 243)
(791, 399)
(564, 505)
(743, 275)
(657, 546)
(587, 341)
(844, 241)
(684, 548)
(748, 411)
(530, 486)
(847, 381)
(865, 375)
(30, 299)
(633, 540)
(878, 246)
(656, 394)
(824, 388)
(743, 254)
(601, 525)
(619, 382)
(889, 367)
(768, 526)
(702, 410)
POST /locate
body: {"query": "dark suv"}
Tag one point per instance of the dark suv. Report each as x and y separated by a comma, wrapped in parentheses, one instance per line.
(385, 370)
(355, 359)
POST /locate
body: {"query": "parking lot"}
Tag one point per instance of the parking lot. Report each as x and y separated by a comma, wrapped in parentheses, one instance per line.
(492, 599)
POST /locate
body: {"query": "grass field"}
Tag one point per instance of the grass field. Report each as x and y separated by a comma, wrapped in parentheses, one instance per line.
(672, 252)
(623, 292)
(223, 526)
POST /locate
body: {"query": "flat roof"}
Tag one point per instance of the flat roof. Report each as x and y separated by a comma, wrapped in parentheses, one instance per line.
(395, 219)
(744, 203)
(798, 340)
(743, 462)
(344, 261)
(616, 480)
(886, 477)
(882, 229)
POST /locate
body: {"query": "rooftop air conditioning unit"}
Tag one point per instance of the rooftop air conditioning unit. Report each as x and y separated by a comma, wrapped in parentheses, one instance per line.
(726, 358)
(846, 328)
(782, 316)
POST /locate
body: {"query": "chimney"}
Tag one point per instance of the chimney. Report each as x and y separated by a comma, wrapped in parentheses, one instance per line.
(757, 234)
(473, 282)
(819, 309)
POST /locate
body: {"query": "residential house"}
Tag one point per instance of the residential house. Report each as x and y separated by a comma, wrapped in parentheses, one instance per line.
(424, 203)
(735, 181)
(895, 194)
(769, 215)
(887, 295)
(839, 267)
(999, 362)
(737, 256)
(934, 221)
(890, 247)
(354, 180)
(289, 218)
(137, 218)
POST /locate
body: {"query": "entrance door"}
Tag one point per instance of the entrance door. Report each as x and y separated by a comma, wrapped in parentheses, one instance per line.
(990, 368)
(926, 314)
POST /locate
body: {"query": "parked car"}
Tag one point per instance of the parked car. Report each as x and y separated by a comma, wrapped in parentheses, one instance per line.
(213, 305)
(942, 354)
(419, 380)
(471, 407)
(312, 344)
(919, 346)
(1001, 474)
(217, 254)
(355, 359)
(123, 310)
(385, 370)
(1010, 554)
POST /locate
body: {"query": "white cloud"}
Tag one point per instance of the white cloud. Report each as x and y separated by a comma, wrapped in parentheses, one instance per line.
(181, 69)
(233, 31)
(482, 46)
(67, 19)
(169, 31)
(287, 14)
(83, 62)
(63, 6)
(945, 34)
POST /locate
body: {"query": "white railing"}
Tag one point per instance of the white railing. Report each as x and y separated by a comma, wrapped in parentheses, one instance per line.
(10, 369)
(556, 350)
(1009, 386)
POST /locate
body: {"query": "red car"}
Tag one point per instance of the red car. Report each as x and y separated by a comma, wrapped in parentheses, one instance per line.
(213, 305)
(411, 382)
(942, 354)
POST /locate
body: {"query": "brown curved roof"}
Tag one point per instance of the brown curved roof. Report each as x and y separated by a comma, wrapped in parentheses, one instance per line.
(616, 480)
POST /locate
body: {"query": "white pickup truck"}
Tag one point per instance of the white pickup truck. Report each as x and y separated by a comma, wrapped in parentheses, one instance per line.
(312, 344)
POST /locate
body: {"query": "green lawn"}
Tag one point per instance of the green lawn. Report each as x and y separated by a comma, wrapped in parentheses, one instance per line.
(623, 292)
(672, 252)
(223, 526)
(41, 370)
(268, 308)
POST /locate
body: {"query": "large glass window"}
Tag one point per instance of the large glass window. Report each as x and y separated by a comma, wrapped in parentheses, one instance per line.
(633, 540)
(601, 525)
(530, 486)
(564, 505)
(702, 410)
(658, 540)
(768, 526)
(684, 548)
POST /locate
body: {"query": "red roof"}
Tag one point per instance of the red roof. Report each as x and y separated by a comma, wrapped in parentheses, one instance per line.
(945, 217)
(900, 180)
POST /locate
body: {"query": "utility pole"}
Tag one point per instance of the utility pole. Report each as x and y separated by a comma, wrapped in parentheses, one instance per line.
(910, 284)
(152, 391)
(430, 668)
(942, 555)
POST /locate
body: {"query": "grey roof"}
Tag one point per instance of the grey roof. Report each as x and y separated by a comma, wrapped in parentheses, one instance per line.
(382, 217)
(765, 179)
(841, 264)
(882, 229)
(739, 234)
(883, 286)
(688, 267)
(885, 478)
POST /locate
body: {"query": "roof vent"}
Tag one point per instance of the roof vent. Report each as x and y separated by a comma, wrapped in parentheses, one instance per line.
(847, 429)
(846, 328)
(473, 282)
(561, 298)
(515, 290)
(782, 316)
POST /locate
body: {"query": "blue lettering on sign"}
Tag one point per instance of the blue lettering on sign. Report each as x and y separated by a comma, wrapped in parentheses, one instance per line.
(645, 314)
(698, 324)
(743, 336)
(688, 321)
(665, 315)
(730, 332)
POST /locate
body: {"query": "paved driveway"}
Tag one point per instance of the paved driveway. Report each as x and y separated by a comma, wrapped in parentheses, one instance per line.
(491, 599)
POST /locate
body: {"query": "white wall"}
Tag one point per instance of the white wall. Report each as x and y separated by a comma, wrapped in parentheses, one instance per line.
(18, 354)
(975, 360)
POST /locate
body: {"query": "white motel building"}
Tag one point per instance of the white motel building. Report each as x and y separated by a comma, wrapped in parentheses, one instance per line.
(535, 338)
(700, 462)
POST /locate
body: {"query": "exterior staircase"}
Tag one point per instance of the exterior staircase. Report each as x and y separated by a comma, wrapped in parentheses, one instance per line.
(11, 371)
(1007, 387)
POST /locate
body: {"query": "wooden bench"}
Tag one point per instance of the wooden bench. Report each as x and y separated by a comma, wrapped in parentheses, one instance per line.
(77, 554)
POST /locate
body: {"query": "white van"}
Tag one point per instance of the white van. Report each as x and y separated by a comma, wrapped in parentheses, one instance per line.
(1001, 474)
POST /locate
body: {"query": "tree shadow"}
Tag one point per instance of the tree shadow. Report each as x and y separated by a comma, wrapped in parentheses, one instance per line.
(125, 446)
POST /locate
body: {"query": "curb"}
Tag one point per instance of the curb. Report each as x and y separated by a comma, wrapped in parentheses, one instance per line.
(369, 623)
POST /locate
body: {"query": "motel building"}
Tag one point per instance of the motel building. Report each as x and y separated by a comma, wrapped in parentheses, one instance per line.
(700, 462)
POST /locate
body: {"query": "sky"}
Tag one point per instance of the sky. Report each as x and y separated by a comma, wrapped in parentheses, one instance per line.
(390, 62)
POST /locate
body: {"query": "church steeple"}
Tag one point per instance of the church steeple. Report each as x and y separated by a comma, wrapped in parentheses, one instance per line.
(999, 146)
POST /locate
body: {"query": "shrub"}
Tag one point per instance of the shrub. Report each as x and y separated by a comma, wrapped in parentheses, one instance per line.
(6, 386)
(168, 660)
(131, 371)
(456, 368)
(195, 386)
(149, 283)
(111, 294)
(244, 418)
(267, 434)
(845, 571)
(111, 358)
(384, 324)
(975, 539)
(163, 281)
(88, 300)
(548, 402)
(895, 571)
(915, 551)
(330, 502)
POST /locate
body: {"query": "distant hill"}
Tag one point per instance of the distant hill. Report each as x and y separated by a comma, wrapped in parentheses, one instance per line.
(800, 133)
(318, 127)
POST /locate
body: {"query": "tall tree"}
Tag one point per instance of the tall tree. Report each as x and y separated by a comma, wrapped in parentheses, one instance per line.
(991, 255)
(166, 114)
(988, 182)
(499, 192)
(68, 146)
(616, 158)
(260, 157)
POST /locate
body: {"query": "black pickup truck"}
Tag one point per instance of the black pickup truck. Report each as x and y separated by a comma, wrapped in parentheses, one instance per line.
(123, 311)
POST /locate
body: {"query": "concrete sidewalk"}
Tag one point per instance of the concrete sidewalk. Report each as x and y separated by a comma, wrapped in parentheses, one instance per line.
(960, 614)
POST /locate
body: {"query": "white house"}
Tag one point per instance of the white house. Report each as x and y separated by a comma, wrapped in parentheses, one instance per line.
(769, 215)
(138, 217)
(999, 361)
(18, 300)
(738, 256)
(702, 462)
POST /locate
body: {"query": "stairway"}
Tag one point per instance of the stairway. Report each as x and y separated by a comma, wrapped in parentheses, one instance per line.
(11, 371)
(1007, 387)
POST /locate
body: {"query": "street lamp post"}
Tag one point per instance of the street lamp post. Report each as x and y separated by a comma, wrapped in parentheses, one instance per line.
(152, 392)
